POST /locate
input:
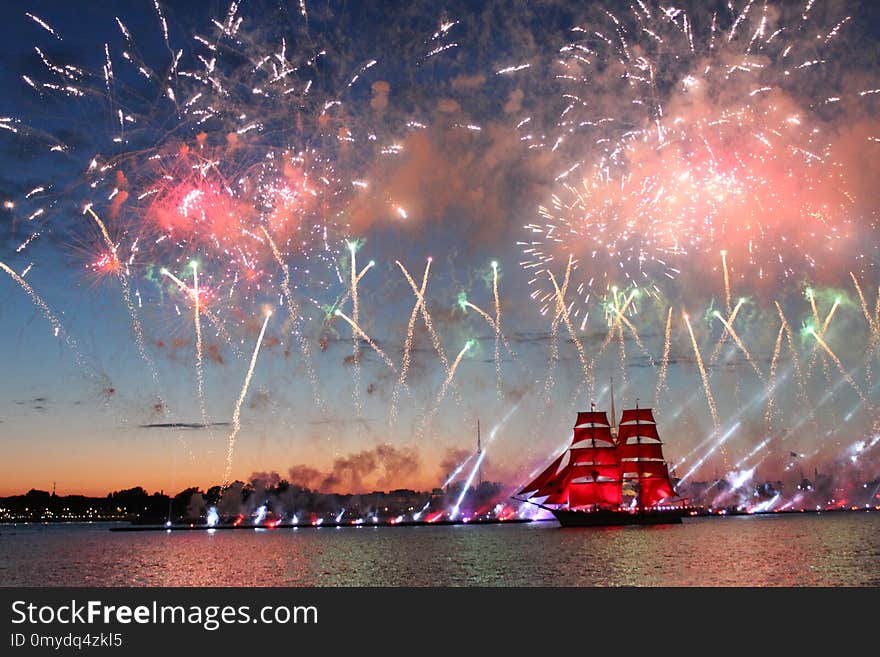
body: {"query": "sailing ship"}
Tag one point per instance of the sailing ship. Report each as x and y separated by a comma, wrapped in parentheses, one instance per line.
(609, 475)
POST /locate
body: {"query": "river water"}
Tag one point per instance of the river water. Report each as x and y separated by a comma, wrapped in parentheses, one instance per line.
(785, 550)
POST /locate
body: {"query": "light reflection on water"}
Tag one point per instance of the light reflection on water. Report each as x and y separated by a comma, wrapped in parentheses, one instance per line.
(791, 550)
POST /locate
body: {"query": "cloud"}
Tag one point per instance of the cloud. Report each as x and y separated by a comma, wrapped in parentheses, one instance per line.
(363, 422)
(474, 182)
(383, 466)
(182, 425)
(259, 399)
(453, 458)
(36, 404)
(468, 82)
(380, 89)
(212, 351)
(305, 476)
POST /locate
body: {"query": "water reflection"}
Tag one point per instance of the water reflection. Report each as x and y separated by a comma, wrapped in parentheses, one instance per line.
(828, 550)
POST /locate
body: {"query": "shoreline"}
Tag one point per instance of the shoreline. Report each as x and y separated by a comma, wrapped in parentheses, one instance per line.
(133, 526)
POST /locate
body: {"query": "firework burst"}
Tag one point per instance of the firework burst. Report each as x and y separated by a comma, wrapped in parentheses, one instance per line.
(719, 140)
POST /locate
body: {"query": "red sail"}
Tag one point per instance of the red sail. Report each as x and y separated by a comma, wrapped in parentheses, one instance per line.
(599, 434)
(629, 432)
(599, 455)
(654, 489)
(640, 451)
(641, 469)
(595, 472)
(653, 480)
(633, 414)
(592, 417)
(556, 490)
(542, 479)
(594, 493)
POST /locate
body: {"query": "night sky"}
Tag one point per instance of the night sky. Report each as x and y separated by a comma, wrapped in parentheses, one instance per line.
(438, 150)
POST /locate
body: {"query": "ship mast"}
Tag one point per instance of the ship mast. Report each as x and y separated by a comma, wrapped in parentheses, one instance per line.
(613, 416)
(593, 433)
(639, 442)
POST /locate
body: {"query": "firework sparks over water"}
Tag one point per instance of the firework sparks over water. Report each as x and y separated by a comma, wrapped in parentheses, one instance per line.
(695, 157)
(236, 413)
(408, 342)
(447, 382)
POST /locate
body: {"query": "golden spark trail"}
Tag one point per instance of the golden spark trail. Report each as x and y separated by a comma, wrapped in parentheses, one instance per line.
(827, 321)
(877, 310)
(664, 363)
(873, 326)
(870, 320)
(408, 342)
(608, 337)
(730, 320)
(58, 330)
(726, 280)
(613, 321)
(435, 340)
(617, 322)
(622, 351)
(103, 228)
(347, 294)
(204, 311)
(426, 318)
(221, 331)
(874, 344)
(843, 372)
(629, 299)
(179, 282)
(621, 318)
(491, 323)
(822, 330)
(356, 344)
(498, 387)
(728, 329)
(426, 421)
(813, 306)
(550, 381)
(199, 372)
(293, 311)
(771, 379)
(358, 331)
(126, 296)
(482, 313)
(741, 346)
(792, 348)
(825, 331)
(561, 309)
(709, 399)
(236, 413)
(877, 319)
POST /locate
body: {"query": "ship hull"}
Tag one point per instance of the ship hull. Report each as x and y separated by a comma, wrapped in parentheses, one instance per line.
(609, 518)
